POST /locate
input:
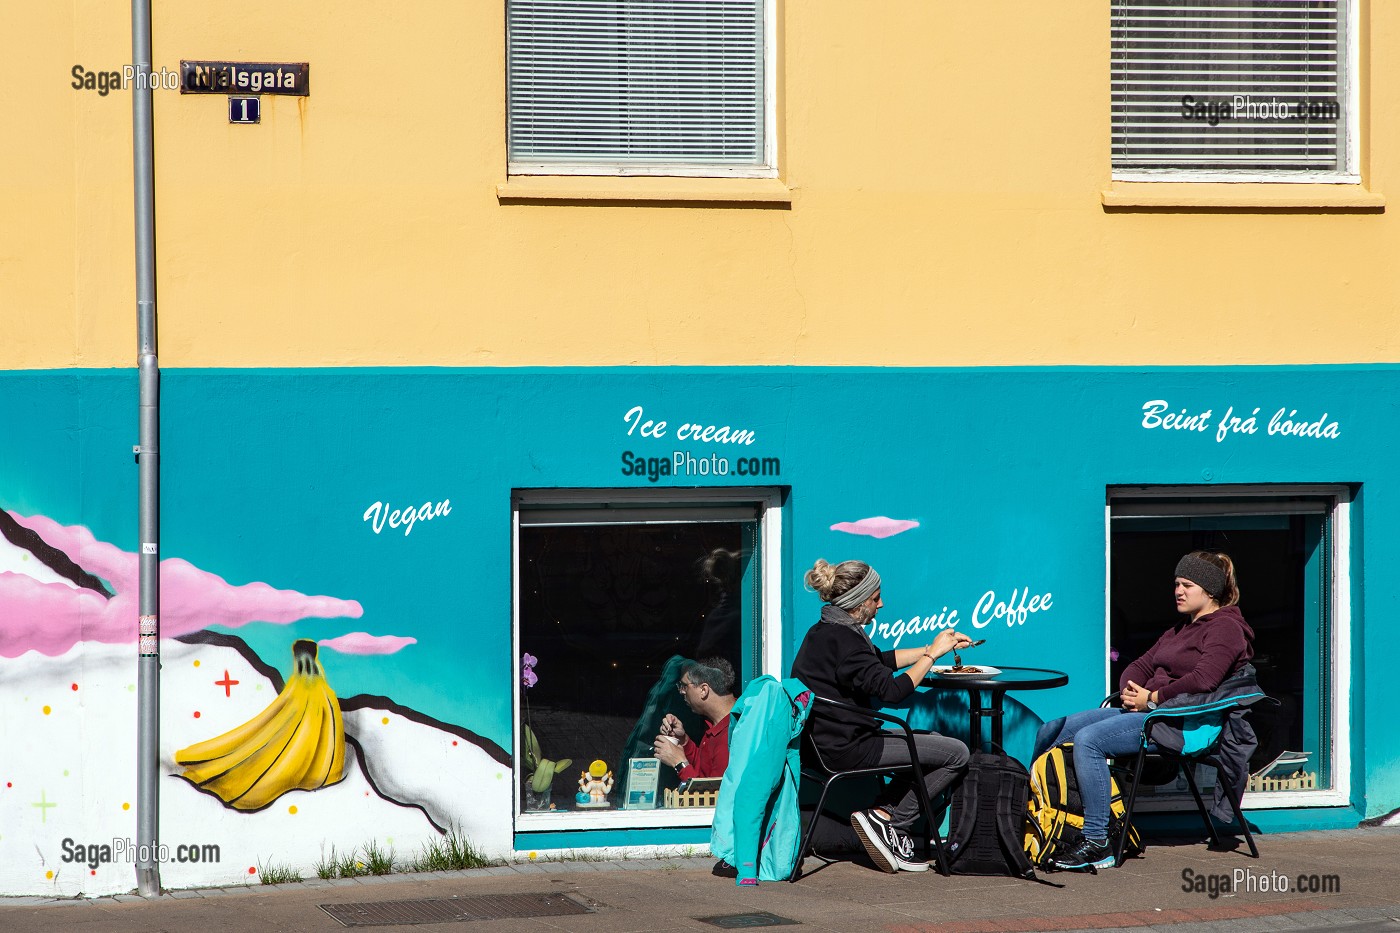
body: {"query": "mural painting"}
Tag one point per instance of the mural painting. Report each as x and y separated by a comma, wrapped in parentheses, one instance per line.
(262, 771)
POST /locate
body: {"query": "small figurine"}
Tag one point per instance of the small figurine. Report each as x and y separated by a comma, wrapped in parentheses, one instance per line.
(594, 785)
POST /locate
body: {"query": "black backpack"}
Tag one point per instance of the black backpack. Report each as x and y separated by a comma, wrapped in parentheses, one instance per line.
(989, 819)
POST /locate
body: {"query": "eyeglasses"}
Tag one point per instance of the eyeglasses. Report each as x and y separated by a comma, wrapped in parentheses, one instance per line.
(682, 685)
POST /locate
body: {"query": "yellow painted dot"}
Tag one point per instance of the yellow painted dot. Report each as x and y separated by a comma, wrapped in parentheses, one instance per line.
(126, 806)
(65, 772)
(130, 688)
(385, 720)
(533, 854)
(292, 809)
(48, 710)
(196, 664)
(49, 874)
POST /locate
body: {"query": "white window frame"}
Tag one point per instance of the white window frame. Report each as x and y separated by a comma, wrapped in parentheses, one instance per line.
(1339, 794)
(1350, 98)
(769, 501)
(767, 169)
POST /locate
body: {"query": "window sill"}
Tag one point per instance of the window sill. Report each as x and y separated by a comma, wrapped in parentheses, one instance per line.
(525, 188)
(1206, 196)
(619, 818)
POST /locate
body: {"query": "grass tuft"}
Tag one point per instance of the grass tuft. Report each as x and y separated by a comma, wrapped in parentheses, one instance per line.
(325, 865)
(350, 865)
(453, 852)
(272, 873)
(376, 860)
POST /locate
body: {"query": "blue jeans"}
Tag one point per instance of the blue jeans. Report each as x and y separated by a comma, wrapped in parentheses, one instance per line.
(1098, 734)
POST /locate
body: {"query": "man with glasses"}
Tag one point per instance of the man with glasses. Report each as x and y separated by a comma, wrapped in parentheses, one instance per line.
(708, 688)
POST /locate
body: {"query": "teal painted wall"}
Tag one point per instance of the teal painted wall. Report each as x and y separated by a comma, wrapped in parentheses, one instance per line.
(267, 476)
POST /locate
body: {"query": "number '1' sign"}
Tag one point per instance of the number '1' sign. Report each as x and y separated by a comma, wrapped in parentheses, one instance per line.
(244, 110)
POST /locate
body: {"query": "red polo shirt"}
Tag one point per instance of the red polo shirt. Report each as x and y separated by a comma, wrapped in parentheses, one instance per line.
(711, 756)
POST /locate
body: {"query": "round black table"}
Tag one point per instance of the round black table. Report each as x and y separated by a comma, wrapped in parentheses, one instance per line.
(995, 686)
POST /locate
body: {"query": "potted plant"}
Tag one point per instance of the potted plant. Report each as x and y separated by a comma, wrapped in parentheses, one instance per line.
(539, 771)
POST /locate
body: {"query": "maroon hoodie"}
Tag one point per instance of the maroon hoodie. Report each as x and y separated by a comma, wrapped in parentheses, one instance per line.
(1194, 657)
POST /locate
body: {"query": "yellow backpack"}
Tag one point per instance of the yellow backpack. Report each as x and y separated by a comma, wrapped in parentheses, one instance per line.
(1055, 814)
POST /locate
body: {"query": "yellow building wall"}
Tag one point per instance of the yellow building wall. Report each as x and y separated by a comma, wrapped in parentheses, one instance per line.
(946, 162)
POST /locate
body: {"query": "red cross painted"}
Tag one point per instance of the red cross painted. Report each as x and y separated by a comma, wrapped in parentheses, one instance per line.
(226, 683)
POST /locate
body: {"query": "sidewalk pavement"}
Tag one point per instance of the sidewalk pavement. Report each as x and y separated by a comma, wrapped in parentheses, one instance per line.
(1350, 881)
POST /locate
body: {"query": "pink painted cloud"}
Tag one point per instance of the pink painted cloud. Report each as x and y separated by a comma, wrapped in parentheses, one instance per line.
(877, 527)
(365, 643)
(52, 617)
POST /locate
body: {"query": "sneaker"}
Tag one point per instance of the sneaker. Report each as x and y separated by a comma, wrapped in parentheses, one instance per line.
(890, 849)
(1088, 855)
(723, 869)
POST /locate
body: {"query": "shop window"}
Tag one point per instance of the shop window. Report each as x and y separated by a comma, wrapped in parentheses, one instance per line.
(1290, 546)
(1234, 90)
(614, 591)
(635, 87)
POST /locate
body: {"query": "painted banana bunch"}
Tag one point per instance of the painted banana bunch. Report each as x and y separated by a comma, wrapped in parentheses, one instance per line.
(297, 743)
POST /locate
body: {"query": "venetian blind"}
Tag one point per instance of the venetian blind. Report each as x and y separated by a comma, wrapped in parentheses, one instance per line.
(635, 82)
(1268, 73)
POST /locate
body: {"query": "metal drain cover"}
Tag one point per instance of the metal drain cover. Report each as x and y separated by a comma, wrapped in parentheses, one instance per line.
(456, 909)
(760, 918)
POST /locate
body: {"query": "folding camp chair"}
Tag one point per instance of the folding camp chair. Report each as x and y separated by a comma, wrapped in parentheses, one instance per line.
(815, 768)
(1202, 728)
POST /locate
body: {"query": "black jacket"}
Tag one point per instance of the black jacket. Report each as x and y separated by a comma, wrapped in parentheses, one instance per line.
(839, 662)
(1237, 738)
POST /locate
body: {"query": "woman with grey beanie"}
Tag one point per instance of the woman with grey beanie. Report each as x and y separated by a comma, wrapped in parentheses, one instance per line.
(838, 661)
(1196, 656)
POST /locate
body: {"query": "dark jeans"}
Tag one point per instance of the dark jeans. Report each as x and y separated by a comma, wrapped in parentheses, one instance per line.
(943, 761)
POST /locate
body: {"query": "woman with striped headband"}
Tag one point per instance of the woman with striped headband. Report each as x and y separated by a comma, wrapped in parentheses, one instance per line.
(838, 661)
(1196, 656)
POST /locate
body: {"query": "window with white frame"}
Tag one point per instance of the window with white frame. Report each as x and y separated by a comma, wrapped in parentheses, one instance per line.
(615, 592)
(1291, 549)
(640, 87)
(1234, 90)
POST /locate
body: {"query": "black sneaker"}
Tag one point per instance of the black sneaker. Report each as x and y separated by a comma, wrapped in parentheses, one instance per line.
(1086, 856)
(723, 869)
(890, 849)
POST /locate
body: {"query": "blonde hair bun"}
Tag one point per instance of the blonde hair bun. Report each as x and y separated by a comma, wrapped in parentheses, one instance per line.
(822, 577)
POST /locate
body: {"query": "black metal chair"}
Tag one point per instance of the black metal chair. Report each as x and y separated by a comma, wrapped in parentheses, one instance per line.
(1207, 721)
(815, 768)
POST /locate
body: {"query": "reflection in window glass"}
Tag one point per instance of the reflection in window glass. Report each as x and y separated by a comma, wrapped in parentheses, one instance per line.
(608, 613)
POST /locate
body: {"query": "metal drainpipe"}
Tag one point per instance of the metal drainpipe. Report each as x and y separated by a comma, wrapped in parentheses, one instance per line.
(148, 460)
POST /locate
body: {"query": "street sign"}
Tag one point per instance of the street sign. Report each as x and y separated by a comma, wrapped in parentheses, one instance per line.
(292, 78)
